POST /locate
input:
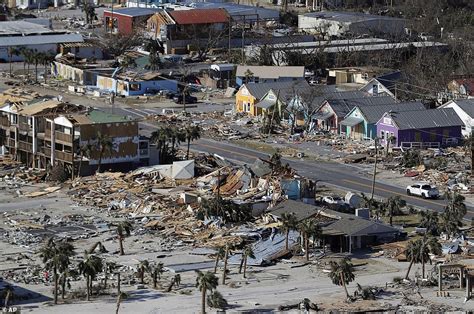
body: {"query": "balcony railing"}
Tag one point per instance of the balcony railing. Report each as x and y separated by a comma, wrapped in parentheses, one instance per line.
(63, 137)
(65, 156)
(4, 121)
(24, 146)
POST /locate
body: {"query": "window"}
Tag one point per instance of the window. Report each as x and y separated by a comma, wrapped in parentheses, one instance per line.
(382, 135)
(135, 87)
(417, 136)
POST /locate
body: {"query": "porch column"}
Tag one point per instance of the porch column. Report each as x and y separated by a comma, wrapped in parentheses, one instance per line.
(461, 277)
(468, 287)
(350, 244)
(53, 142)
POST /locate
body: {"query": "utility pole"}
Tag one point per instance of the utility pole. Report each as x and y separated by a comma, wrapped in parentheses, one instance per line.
(375, 170)
(472, 153)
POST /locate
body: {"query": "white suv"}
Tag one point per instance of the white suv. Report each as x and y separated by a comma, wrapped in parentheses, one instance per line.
(423, 189)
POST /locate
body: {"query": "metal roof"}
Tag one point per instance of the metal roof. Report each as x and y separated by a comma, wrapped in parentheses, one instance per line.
(200, 16)
(258, 90)
(351, 121)
(425, 119)
(271, 72)
(467, 105)
(133, 12)
(23, 28)
(40, 39)
(372, 113)
(349, 17)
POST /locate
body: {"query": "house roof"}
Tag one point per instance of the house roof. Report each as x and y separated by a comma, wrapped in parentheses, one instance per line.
(342, 107)
(258, 90)
(271, 72)
(200, 16)
(97, 117)
(372, 113)
(467, 105)
(334, 222)
(389, 80)
(349, 17)
(39, 107)
(133, 12)
(40, 39)
(425, 119)
(319, 100)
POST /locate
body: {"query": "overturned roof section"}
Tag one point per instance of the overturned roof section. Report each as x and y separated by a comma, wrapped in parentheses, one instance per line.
(200, 16)
(271, 72)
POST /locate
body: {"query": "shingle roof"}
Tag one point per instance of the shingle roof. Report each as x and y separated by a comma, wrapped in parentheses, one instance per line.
(271, 72)
(373, 113)
(425, 119)
(301, 210)
(258, 90)
(467, 105)
(200, 16)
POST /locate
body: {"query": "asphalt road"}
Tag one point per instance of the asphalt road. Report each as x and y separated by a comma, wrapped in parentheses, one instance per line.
(343, 176)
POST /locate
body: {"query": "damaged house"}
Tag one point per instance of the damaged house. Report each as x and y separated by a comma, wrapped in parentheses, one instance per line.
(135, 84)
(45, 133)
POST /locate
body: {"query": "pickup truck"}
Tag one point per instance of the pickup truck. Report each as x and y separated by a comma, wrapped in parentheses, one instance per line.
(424, 190)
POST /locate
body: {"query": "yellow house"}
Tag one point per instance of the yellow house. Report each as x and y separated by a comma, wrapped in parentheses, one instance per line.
(250, 94)
(245, 100)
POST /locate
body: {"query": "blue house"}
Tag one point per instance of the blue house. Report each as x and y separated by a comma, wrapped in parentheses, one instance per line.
(361, 121)
(133, 84)
(266, 74)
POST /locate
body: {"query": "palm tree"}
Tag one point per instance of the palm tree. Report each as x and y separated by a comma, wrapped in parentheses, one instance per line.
(156, 272)
(453, 214)
(154, 61)
(12, 51)
(248, 252)
(63, 277)
(56, 257)
(220, 254)
(104, 144)
(123, 229)
(7, 294)
(429, 245)
(143, 266)
(47, 59)
(37, 59)
(394, 206)
(89, 267)
(412, 253)
(28, 57)
(205, 281)
(342, 273)
(288, 223)
(85, 151)
(128, 62)
(226, 257)
(192, 133)
(309, 229)
(430, 221)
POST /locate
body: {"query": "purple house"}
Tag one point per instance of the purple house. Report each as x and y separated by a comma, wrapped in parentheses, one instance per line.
(420, 128)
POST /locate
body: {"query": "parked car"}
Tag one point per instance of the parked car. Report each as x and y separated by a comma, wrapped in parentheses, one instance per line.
(188, 99)
(423, 189)
(333, 199)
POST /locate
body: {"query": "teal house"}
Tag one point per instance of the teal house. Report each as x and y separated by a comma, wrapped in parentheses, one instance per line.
(361, 121)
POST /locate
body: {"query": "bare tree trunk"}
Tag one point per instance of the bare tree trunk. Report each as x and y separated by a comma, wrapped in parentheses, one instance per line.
(241, 264)
(55, 285)
(121, 245)
(286, 239)
(409, 268)
(245, 267)
(306, 245)
(203, 301)
(105, 276)
(217, 263)
(225, 264)
(423, 267)
(344, 284)
(63, 287)
(118, 283)
(88, 288)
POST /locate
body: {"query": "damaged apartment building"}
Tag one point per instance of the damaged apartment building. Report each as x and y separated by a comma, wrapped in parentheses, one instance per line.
(41, 133)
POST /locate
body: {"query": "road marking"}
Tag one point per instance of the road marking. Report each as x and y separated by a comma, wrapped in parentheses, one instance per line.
(393, 192)
(142, 111)
(134, 113)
